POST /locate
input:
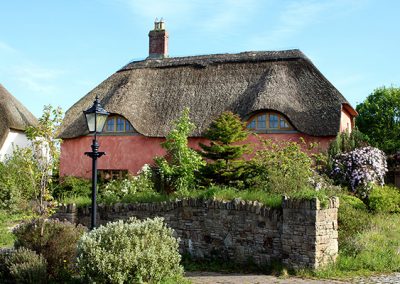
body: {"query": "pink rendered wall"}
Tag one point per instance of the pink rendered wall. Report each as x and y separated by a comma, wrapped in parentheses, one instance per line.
(132, 152)
(346, 121)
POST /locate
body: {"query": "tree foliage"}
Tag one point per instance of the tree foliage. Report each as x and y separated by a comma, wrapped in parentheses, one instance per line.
(224, 151)
(178, 168)
(379, 119)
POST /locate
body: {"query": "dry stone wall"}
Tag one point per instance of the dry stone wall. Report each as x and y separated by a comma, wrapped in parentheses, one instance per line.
(300, 233)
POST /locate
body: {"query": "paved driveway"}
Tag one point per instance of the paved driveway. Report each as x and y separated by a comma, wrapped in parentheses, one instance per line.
(211, 277)
(218, 278)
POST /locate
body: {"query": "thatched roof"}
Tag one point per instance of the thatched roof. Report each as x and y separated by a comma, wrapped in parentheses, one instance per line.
(13, 115)
(152, 93)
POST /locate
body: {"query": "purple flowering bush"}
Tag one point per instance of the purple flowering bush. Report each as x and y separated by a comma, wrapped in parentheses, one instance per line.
(360, 168)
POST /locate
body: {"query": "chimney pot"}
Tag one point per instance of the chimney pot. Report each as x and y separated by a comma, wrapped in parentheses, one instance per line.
(158, 40)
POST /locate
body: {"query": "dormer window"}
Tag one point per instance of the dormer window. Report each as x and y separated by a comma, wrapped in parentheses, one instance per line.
(117, 123)
(269, 122)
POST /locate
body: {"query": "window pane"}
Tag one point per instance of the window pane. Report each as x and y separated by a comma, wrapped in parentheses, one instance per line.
(283, 123)
(273, 121)
(120, 124)
(252, 124)
(261, 122)
(110, 125)
(128, 126)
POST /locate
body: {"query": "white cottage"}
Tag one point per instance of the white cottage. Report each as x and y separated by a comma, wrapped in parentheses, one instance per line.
(14, 118)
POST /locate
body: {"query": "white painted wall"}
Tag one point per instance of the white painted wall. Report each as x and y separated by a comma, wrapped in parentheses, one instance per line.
(14, 138)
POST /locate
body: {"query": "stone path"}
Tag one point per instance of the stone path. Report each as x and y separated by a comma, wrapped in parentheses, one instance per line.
(218, 278)
(380, 279)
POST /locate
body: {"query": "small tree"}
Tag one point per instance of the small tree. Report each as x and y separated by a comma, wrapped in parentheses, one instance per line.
(46, 152)
(224, 152)
(178, 168)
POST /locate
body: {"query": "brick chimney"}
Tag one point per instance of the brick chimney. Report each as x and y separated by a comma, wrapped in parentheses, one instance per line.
(158, 40)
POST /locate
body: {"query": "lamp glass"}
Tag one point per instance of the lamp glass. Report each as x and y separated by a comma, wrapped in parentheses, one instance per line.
(90, 120)
(100, 119)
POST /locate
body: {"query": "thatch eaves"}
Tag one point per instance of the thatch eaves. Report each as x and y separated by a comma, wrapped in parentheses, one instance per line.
(152, 93)
(13, 115)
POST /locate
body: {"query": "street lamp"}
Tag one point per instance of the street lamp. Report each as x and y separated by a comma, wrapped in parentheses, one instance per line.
(96, 117)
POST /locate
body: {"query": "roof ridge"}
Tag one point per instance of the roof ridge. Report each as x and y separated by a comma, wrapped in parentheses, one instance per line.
(203, 60)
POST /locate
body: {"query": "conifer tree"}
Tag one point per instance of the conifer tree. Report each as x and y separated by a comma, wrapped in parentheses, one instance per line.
(224, 152)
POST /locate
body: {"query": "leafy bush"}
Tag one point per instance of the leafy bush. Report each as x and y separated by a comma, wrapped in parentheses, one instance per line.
(17, 179)
(9, 192)
(347, 142)
(72, 186)
(26, 266)
(360, 168)
(177, 170)
(353, 218)
(4, 271)
(53, 239)
(129, 252)
(384, 199)
(281, 167)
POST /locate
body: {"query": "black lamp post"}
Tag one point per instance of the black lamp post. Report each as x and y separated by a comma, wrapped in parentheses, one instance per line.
(96, 117)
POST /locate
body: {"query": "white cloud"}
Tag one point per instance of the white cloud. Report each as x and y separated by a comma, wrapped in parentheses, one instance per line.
(210, 16)
(36, 78)
(6, 48)
(226, 14)
(296, 16)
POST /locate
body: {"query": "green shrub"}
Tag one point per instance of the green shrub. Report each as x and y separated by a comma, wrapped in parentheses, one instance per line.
(129, 252)
(17, 185)
(4, 271)
(177, 170)
(53, 239)
(9, 193)
(26, 266)
(346, 142)
(353, 219)
(385, 199)
(281, 167)
(72, 186)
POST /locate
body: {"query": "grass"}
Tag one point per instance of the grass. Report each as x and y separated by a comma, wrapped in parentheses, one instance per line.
(80, 201)
(8, 220)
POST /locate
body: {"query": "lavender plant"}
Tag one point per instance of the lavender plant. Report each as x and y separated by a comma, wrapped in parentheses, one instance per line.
(360, 168)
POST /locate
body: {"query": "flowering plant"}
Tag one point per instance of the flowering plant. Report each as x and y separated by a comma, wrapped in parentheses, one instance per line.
(116, 190)
(360, 168)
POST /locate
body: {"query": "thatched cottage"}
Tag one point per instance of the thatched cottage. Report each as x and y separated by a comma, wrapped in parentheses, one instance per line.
(280, 94)
(14, 119)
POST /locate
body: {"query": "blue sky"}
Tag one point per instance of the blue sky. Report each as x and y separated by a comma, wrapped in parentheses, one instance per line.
(55, 51)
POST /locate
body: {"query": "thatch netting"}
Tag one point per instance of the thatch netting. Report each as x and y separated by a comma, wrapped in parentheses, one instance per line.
(152, 93)
(13, 115)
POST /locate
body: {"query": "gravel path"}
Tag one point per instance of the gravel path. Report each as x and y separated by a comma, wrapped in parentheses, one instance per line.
(218, 278)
